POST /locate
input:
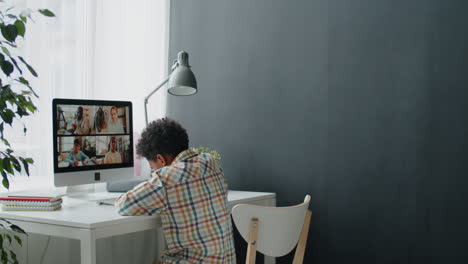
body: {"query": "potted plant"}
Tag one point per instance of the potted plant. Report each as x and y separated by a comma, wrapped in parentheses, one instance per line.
(15, 103)
(202, 149)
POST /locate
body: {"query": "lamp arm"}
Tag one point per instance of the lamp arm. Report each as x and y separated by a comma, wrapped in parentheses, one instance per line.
(174, 65)
(150, 94)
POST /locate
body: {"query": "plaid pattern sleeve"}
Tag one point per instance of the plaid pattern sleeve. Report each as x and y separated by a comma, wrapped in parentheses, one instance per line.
(146, 198)
(190, 195)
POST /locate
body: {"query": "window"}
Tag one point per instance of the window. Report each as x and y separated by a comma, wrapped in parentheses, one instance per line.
(106, 49)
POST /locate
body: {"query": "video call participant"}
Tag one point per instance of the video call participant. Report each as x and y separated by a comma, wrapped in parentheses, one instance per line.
(81, 124)
(76, 156)
(115, 125)
(112, 156)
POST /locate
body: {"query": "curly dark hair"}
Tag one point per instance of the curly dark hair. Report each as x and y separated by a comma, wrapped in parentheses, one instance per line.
(162, 136)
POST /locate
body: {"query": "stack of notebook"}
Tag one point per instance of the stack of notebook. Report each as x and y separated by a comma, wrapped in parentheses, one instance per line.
(31, 203)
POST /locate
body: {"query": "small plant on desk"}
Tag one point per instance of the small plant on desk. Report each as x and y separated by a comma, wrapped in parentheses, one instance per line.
(202, 149)
(16, 102)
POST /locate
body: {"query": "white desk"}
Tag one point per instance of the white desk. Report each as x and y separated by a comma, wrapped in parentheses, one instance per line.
(87, 221)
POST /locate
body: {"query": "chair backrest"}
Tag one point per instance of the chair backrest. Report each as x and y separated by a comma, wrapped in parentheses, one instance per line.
(278, 227)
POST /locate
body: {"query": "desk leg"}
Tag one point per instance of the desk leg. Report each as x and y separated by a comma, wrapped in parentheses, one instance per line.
(160, 244)
(88, 248)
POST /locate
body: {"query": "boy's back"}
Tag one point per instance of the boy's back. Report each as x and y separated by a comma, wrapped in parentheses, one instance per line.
(191, 197)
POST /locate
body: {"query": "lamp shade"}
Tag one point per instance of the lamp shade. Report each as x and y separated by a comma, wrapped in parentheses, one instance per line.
(182, 80)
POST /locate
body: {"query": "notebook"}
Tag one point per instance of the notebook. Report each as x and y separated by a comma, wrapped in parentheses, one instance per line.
(30, 208)
(30, 199)
(30, 203)
(37, 194)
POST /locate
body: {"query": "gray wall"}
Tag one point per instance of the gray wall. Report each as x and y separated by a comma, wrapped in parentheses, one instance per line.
(360, 103)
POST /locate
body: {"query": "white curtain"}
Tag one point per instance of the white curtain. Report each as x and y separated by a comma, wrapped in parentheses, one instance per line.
(92, 49)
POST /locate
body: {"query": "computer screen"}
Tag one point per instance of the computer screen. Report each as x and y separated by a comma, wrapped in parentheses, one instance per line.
(91, 135)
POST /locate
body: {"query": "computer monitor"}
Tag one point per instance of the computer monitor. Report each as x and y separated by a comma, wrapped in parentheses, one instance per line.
(92, 141)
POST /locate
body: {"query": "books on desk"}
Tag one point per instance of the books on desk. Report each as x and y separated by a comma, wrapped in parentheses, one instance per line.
(15, 202)
(30, 208)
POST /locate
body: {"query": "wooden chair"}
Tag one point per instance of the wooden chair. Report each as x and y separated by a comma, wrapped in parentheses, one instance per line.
(273, 231)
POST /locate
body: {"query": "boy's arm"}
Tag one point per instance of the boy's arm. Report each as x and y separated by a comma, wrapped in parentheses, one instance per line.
(147, 198)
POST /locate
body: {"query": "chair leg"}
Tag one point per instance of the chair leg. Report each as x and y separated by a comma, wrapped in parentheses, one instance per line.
(301, 245)
(252, 248)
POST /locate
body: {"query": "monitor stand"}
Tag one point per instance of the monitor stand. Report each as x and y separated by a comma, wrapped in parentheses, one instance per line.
(90, 192)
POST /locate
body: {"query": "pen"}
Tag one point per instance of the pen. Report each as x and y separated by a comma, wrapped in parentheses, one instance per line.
(104, 203)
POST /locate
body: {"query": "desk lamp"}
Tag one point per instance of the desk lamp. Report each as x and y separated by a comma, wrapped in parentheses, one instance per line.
(181, 81)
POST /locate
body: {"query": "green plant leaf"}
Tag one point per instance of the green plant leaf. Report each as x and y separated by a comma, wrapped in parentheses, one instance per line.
(46, 12)
(6, 51)
(1, 129)
(7, 166)
(23, 18)
(9, 32)
(16, 65)
(13, 256)
(6, 183)
(5, 91)
(6, 221)
(33, 72)
(21, 112)
(25, 165)
(26, 82)
(6, 142)
(7, 67)
(4, 256)
(18, 239)
(29, 105)
(7, 116)
(23, 81)
(17, 229)
(8, 237)
(20, 27)
(29, 160)
(15, 163)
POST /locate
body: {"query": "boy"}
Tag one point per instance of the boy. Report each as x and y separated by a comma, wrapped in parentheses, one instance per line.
(188, 191)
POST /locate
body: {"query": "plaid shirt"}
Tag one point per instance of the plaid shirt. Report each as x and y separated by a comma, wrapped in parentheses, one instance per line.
(190, 195)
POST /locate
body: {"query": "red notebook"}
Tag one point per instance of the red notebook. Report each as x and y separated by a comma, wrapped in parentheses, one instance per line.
(33, 199)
